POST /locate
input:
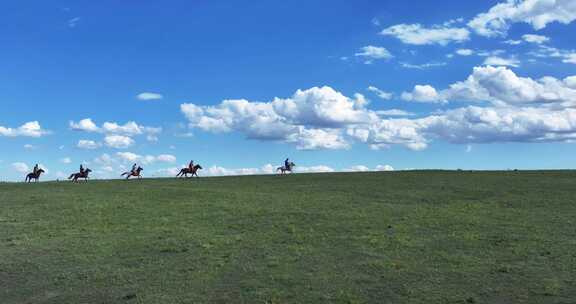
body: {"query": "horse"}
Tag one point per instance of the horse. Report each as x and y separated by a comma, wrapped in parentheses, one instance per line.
(285, 169)
(35, 177)
(185, 171)
(75, 176)
(131, 173)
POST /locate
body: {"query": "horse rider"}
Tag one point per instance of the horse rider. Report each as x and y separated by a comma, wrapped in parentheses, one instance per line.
(191, 165)
(287, 163)
(134, 169)
(35, 170)
(81, 169)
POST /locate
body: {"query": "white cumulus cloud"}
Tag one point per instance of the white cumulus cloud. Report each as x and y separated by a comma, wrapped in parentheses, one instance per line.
(464, 52)
(499, 61)
(371, 53)
(422, 93)
(538, 39)
(537, 13)
(88, 144)
(118, 141)
(384, 168)
(29, 129)
(166, 158)
(21, 167)
(418, 35)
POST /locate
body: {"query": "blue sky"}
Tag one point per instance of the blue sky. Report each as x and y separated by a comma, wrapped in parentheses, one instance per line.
(239, 86)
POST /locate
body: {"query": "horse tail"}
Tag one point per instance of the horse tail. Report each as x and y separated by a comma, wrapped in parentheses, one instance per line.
(124, 173)
(71, 176)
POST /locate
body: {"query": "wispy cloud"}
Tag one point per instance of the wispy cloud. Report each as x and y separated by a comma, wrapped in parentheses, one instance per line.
(72, 23)
(371, 53)
(418, 35)
(149, 96)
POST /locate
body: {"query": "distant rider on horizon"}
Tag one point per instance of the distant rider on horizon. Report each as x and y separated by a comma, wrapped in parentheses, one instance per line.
(191, 165)
(134, 167)
(35, 170)
(287, 163)
(81, 169)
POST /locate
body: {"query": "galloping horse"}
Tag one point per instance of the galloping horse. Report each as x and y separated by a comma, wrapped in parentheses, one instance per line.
(185, 171)
(35, 177)
(285, 169)
(75, 176)
(135, 173)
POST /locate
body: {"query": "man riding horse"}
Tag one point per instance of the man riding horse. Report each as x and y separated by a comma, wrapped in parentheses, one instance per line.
(35, 175)
(82, 174)
(191, 169)
(288, 165)
(136, 172)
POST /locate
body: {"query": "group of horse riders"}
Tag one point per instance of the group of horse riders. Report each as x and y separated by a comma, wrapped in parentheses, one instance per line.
(191, 169)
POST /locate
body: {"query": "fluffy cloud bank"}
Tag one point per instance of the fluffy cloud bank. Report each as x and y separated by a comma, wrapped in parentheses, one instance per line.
(116, 135)
(312, 119)
(537, 13)
(29, 129)
(501, 86)
(494, 23)
(505, 108)
(130, 128)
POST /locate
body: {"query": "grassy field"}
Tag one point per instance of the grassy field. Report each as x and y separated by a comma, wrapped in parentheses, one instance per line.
(394, 237)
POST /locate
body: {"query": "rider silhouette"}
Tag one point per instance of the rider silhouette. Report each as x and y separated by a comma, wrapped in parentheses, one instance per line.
(35, 169)
(287, 163)
(81, 169)
(134, 168)
(191, 165)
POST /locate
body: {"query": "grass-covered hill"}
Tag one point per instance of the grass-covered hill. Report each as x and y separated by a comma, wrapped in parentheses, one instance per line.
(393, 237)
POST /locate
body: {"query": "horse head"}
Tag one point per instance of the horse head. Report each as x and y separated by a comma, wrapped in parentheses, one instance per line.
(198, 167)
(88, 171)
(40, 172)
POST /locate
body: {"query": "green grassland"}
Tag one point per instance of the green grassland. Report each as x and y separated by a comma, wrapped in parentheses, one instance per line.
(391, 237)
